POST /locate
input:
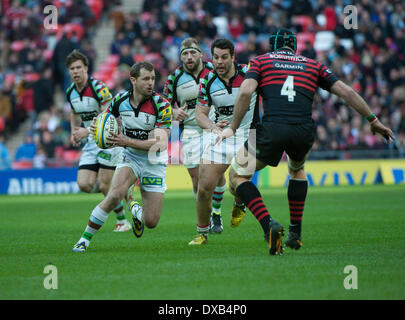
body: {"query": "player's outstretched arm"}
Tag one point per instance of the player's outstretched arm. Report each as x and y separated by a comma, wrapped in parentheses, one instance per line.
(242, 102)
(355, 101)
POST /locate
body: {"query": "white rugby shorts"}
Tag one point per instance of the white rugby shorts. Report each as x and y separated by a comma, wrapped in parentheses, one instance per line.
(152, 176)
(192, 147)
(91, 154)
(224, 152)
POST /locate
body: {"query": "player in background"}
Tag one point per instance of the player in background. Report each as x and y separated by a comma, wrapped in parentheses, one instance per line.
(287, 83)
(146, 121)
(181, 90)
(218, 91)
(88, 97)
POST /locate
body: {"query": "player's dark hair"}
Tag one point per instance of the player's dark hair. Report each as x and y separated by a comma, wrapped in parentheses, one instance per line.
(76, 55)
(283, 38)
(135, 71)
(222, 43)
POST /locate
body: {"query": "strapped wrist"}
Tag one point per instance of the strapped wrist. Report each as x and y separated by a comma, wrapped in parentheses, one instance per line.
(371, 118)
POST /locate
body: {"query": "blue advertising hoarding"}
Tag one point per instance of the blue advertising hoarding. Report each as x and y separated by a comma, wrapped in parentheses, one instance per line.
(39, 181)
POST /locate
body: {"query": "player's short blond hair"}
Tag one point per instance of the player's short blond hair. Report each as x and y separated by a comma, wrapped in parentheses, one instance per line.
(188, 42)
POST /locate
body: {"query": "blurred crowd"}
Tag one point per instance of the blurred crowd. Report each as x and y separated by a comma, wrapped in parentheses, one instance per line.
(32, 68)
(369, 55)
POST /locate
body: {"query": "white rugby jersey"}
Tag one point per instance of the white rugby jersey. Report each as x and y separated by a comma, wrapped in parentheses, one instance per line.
(214, 92)
(139, 121)
(89, 102)
(182, 88)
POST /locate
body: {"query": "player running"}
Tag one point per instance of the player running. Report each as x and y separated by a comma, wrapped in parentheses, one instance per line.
(181, 90)
(287, 83)
(218, 90)
(88, 97)
(146, 119)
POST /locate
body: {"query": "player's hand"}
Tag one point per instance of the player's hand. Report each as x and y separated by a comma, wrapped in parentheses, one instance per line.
(79, 133)
(226, 133)
(378, 127)
(92, 128)
(179, 114)
(222, 124)
(73, 141)
(117, 140)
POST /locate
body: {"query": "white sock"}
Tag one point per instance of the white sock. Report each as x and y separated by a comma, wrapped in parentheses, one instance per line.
(86, 242)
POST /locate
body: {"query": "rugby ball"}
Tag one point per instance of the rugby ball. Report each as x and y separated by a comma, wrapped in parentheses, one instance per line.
(105, 124)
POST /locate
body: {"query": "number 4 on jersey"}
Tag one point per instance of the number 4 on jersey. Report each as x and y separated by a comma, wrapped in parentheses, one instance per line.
(288, 88)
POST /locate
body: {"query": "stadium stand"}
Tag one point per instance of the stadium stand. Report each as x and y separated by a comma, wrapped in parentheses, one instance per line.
(370, 58)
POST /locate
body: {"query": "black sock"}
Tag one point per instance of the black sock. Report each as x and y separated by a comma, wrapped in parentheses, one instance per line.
(297, 192)
(251, 197)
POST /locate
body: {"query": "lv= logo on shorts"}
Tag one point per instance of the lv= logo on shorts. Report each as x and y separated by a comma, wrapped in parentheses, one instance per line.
(152, 181)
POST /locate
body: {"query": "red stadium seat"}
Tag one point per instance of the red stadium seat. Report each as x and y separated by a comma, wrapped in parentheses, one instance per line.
(112, 59)
(97, 75)
(154, 56)
(71, 155)
(32, 77)
(305, 22)
(96, 6)
(105, 73)
(71, 28)
(304, 37)
(22, 164)
(59, 152)
(138, 57)
(106, 68)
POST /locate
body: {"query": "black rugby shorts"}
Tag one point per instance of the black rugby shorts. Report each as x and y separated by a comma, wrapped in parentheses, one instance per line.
(273, 138)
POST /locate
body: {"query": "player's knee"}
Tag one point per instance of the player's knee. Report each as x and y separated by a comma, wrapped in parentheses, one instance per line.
(151, 222)
(232, 189)
(297, 174)
(232, 178)
(205, 190)
(85, 187)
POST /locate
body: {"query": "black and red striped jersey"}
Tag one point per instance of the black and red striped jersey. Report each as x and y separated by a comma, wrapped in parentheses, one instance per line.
(287, 83)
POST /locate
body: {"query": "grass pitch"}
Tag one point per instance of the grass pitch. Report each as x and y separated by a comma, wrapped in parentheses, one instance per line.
(360, 226)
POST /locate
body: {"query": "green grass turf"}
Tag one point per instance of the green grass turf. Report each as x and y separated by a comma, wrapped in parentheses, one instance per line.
(361, 226)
